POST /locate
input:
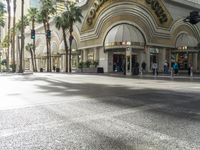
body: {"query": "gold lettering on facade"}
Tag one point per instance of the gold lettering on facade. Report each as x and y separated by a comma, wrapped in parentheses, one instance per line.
(159, 11)
(92, 12)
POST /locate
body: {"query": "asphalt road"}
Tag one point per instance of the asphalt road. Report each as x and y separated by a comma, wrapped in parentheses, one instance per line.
(90, 112)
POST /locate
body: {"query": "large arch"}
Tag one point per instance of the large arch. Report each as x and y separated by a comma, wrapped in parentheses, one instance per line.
(135, 14)
(185, 38)
(180, 27)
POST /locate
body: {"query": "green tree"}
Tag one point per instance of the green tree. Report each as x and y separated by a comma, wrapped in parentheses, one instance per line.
(62, 23)
(72, 14)
(2, 11)
(29, 48)
(20, 26)
(47, 9)
(32, 17)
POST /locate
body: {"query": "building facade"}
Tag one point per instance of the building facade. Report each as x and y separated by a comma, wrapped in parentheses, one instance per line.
(124, 36)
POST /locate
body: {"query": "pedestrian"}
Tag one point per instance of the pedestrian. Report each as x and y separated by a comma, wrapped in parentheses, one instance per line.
(155, 68)
(143, 67)
(165, 67)
(189, 69)
(54, 68)
(175, 68)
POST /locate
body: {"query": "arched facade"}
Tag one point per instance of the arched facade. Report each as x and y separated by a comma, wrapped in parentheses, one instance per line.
(159, 35)
(158, 26)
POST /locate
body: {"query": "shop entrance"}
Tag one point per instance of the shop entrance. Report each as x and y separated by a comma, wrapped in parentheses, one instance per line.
(119, 62)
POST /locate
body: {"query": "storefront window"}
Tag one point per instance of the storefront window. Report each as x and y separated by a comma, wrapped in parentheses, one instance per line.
(91, 55)
(153, 56)
(182, 58)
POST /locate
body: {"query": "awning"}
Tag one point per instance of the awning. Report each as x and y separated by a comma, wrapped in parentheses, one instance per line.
(184, 41)
(124, 35)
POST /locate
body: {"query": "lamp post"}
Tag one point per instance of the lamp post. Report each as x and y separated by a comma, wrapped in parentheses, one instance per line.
(194, 18)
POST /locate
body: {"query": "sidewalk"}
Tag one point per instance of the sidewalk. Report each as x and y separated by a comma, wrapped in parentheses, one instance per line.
(160, 76)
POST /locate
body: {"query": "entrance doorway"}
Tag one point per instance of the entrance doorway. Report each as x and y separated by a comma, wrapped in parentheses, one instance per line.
(119, 62)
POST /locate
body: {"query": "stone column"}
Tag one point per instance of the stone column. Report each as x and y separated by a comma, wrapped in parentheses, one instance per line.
(85, 53)
(147, 56)
(195, 61)
(103, 59)
(198, 62)
(128, 61)
(162, 58)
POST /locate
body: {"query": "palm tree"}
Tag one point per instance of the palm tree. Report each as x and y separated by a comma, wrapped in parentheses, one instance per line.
(32, 17)
(47, 9)
(2, 23)
(18, 29)
(18, 25)
(29, 48)
(2, 11)
(13, 37)
(21, 69)
(62, 23)
(9, 14)
(73, 15)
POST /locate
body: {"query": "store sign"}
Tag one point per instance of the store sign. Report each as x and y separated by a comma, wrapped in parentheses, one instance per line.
(92, 13)
(159, 11)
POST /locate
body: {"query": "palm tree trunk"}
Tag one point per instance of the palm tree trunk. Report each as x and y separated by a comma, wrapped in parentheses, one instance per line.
(8, 51)
(21, 68)
(49, 44)
(70, 51)
(32, 60)
(13, 40)
(66, 50)
(34, 56)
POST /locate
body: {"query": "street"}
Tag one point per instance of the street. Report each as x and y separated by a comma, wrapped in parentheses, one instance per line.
(49, 111)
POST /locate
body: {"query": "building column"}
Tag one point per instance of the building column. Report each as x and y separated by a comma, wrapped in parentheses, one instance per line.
(103, 59)
(128, 61)
(85, 53)
(198, 62)
(147, 59)
(195, 62)
(96, 54)
(161, 58)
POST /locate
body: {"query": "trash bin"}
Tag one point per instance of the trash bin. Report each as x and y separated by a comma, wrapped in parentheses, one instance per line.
(41, 69)
(100, 70)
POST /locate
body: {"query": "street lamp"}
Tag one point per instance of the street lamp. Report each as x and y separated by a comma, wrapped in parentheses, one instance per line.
(194, 18)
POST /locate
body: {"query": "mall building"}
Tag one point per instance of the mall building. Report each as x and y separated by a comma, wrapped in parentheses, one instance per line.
(123, 35)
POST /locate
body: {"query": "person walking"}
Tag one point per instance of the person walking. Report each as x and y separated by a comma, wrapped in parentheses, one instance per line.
(175, 68)
(143, 67)
(155, 68)
(190, 69)
(165, 67)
